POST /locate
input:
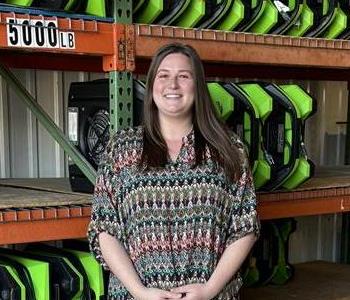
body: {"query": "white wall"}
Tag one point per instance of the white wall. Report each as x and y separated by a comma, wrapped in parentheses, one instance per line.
(26, 148)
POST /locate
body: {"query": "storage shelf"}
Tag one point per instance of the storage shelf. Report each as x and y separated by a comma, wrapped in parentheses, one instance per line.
(43, 224)
(105, 46)
(313, 280)
(61, 38)
(246, 48)
(30, 209)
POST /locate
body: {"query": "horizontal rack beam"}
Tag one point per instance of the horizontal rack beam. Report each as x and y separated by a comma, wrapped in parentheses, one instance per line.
(275, 205)
(71, 221)
(43, 224)
(247, 48)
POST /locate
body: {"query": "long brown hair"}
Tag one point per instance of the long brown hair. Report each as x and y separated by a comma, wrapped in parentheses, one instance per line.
(208, 129)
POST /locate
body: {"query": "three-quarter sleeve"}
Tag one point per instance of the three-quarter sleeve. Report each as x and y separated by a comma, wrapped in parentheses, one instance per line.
(105, 216)
(243, 213)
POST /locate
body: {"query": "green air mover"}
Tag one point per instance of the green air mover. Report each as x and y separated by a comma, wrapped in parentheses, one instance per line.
(233, 17)
(324, 13)
(282, 270)
(21, 276)
(262, 103)
(172, 10)
(222, 100)
(192, 14)
(96, 8)
(68, 5)
(339, 23)
(252, 10)
(289, 12)
(93, 270)
(20, 2)
(98, 279)
(266, 20)
(67, 282)
(250, 273)
(244, 120)
(40, 270)
(270, 254)
(345, 7)
(303, 23)
(149, 11)
(11, 288)
(221, 9)
(282, 135)
(305, 106)
(87, 293)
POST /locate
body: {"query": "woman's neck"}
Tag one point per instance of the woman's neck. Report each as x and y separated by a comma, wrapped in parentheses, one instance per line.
(174, 130)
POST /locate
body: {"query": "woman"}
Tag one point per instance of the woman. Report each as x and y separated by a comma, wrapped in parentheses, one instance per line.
(174, 209)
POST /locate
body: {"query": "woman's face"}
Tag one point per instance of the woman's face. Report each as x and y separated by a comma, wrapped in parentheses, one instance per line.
(173, 87)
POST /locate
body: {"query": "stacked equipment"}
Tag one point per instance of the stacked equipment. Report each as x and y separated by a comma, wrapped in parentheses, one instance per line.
(44, 272)
(268, 118)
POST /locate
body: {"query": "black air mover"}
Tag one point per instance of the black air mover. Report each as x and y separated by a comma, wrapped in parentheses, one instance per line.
(88, 123)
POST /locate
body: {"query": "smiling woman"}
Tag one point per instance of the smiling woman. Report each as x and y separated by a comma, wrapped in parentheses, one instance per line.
(174, 208)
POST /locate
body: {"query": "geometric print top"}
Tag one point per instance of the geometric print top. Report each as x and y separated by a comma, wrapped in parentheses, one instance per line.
(174, 222)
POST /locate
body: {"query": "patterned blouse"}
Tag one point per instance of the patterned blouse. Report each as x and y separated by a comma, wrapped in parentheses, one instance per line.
(174, 222)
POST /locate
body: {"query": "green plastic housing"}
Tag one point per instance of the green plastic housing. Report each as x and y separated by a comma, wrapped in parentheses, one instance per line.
(233, 17)
(262, 103)
(149, 11)
(14, 275)
(93, 271)
(303, 104)
(267, 19)
(304, 23)
(39, 272)
(192, 14)
(222, 100)
(338, 25)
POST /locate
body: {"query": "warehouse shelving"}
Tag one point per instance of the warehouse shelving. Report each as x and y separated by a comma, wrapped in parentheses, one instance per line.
(110, 47)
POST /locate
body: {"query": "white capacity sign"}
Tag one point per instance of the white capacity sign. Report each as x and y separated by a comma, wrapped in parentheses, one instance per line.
(37, 34)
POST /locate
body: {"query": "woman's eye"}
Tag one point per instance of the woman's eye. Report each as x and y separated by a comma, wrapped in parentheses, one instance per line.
(162, 75)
